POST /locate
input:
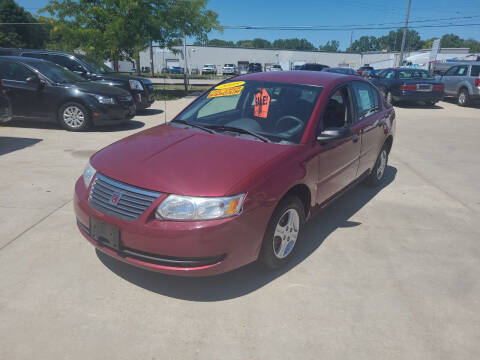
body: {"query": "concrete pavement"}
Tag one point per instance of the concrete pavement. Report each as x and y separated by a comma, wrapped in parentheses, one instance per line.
(389, 273)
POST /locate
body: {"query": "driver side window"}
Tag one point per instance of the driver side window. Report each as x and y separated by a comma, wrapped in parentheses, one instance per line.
(338, 112)
(451, 71)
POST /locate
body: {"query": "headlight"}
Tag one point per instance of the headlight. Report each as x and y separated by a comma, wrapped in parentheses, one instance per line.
(104, 99)
(135, 85)
(88, 174)
(177, 207)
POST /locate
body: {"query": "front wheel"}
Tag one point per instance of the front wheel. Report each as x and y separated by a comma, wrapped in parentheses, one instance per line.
(74, 117)
(283, 232)
(378, 171)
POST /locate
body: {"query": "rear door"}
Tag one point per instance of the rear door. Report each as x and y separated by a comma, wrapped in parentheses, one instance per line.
(23, 96)
(369, 118)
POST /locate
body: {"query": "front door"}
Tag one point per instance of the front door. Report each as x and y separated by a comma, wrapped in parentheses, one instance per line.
(449, 80)
(22, 94)
(368, 122)
(337, 160)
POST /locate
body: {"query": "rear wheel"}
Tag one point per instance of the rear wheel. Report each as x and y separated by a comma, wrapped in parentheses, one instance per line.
(388, 97)
(463, 97)
(378, 171)
(74, 117)
(283, 231)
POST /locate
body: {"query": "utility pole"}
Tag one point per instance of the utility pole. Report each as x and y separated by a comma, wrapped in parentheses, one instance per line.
(151, 59)
(404, 37)
(351, 40)
(185, 70)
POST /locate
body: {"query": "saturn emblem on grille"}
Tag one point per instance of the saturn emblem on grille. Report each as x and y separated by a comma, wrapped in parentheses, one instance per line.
(115, 198)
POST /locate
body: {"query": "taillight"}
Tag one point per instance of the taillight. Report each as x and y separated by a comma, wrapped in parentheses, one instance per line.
(439, 87)
(477, 82)
(408, 87)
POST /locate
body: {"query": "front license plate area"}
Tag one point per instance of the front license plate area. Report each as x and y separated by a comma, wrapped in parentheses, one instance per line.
(105, 234)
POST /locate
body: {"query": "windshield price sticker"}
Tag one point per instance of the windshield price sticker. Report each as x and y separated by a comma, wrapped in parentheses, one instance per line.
(262, 103)
(225, 92)
(230, 85)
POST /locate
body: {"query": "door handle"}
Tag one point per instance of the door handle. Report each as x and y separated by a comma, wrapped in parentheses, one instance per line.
(355, 138)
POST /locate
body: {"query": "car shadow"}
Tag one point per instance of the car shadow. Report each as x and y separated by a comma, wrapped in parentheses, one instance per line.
(251, 277)
(418, 106)
(148, 112)
(125, 126)
(11, 144)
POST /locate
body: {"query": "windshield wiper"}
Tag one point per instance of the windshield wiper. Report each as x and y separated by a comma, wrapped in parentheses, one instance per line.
(194, 125)
(239, 130)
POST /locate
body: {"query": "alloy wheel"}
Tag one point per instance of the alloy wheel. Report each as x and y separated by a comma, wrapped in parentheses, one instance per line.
(73, 116)
(382, 164)
(286, 233)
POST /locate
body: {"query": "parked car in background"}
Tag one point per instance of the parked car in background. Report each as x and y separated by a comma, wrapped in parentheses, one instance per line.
(339, 70)
(5, 106)
(409, 85)
(230, 69)
(364, 70)
(209, 69)
(462, 82)
(176, 70)
(254, 67)
(168, 199)
(140, 88)
(274, 67)
(41, 90)
(311, 67)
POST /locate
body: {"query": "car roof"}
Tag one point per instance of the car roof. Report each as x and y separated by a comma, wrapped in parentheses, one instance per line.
(25, 60)
(316, 78)
(42, 51)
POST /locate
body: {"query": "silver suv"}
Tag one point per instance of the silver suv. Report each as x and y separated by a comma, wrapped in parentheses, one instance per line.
(462, 81)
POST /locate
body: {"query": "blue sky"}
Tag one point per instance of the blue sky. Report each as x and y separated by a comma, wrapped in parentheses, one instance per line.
(338, 12)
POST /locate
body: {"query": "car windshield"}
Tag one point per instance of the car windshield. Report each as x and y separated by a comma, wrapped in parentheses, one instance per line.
(56, 73)
(95, 65)
(414, 74)
(278, 112)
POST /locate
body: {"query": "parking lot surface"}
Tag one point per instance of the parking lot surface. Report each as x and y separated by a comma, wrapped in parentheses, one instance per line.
(389, 273)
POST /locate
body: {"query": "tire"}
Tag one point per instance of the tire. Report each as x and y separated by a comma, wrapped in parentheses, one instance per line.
(463, 98)
(430, 103)
(378, 171)
(283, 232)
(74, 117)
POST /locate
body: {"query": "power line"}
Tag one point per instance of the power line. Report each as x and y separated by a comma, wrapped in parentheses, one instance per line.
(248, 27)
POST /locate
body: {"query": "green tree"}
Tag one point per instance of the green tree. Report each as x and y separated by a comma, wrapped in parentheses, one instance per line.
(365, 43)
(451, 41)
(245, 43)
(114, 29)
(472, 44)
(331, 45)
(293, 44)
(261, 43)
(28, 36)
(393, 40)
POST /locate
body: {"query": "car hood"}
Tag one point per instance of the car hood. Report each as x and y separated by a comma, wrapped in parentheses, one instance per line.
(186, 162)
(99, 89)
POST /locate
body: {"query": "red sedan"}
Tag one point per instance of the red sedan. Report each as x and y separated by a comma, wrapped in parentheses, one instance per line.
(234, 176)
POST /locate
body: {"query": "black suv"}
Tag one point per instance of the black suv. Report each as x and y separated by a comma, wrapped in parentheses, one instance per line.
(140, 88)
(36, 89)
(311, 67)
(254, 67)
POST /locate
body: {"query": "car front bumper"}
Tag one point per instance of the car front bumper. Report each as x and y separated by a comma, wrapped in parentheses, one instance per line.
(185, 248)
(104, 114)
(144, 98)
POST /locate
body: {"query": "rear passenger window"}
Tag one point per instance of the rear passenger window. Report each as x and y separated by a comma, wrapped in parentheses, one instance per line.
(67, 62)
(366, 98)
(462, 71)
(475, 71)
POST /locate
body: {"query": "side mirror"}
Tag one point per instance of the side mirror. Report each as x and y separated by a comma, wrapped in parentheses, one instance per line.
(35, 82)
(332, 134)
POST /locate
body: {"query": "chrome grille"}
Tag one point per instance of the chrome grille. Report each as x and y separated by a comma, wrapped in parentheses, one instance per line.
(120, 200)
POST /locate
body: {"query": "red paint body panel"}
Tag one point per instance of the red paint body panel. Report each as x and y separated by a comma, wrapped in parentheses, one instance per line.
(181, 161)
